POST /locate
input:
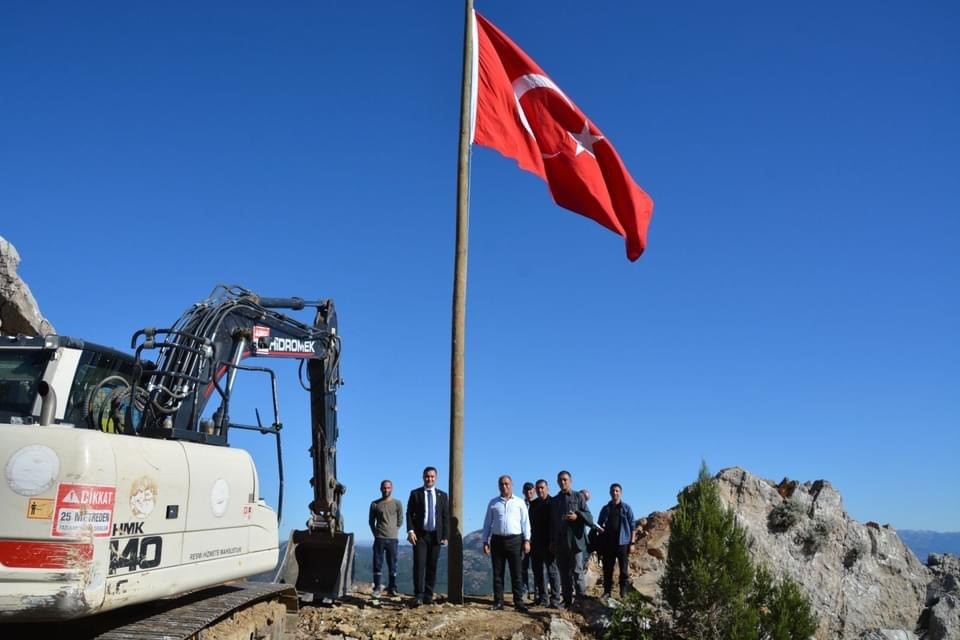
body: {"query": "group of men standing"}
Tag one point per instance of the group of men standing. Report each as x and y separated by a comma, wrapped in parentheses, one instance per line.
(553, 536)
(547, 532)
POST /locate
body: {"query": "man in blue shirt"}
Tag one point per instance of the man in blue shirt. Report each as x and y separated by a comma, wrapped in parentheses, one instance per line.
(617, 522)
(506, 536)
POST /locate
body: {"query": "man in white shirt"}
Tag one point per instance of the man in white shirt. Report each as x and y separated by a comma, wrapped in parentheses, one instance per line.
(506, 537)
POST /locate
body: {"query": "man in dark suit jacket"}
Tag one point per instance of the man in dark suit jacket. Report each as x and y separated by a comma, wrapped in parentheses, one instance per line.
(428, 524)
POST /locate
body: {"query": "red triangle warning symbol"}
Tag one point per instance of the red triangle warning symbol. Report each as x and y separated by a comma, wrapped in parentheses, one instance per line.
(71, 496)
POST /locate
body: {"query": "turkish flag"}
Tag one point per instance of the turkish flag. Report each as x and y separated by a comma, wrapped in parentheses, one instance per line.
(520, 112)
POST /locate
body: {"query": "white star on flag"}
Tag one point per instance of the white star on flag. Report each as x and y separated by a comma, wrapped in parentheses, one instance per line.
(585, 140)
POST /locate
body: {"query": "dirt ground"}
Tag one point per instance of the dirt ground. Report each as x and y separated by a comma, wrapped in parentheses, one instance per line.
(359, 616)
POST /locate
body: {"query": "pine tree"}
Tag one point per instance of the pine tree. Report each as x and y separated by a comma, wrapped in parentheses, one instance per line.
(708, 574)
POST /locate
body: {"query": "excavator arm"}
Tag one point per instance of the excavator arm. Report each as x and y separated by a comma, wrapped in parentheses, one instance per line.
(197, 362)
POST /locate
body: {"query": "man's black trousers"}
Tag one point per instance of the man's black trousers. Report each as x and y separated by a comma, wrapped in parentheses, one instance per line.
(619, 554)
(426, 553)
(507, 550)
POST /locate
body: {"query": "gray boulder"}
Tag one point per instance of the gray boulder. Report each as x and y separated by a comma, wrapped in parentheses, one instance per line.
(942, 617)
(19, 312)
(862, 580)
(860, 577)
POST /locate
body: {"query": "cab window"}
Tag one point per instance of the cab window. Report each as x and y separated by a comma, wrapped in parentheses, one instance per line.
(98, 376)
(20, 371)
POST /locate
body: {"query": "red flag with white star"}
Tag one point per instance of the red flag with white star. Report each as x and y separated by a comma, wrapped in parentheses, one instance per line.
(520, 112)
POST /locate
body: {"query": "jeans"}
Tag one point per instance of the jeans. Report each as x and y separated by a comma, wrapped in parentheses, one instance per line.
(573, 579)
(383, 546)
(525, 572)
(546, 578)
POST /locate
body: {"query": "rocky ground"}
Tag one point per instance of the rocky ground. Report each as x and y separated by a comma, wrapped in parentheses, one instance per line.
(359, 616)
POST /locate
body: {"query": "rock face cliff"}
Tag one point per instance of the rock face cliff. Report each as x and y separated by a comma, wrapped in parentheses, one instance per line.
(18, 308)
(942, 616)
(860, 578)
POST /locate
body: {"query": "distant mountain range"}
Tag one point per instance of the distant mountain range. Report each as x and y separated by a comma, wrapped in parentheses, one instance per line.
(477, 572)
(923, 543)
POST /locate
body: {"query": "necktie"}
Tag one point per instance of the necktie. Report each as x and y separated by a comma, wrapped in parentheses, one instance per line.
(430, 525)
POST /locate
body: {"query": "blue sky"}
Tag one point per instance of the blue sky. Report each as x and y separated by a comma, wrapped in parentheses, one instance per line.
(796, 312)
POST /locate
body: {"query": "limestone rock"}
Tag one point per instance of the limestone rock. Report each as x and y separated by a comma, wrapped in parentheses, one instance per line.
(942, 617)
(19, 312)
(888, 634)
(561, 629)
(860, 579)
(648, 560)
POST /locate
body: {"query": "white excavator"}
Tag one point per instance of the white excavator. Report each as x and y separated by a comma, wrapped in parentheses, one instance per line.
(124, 510)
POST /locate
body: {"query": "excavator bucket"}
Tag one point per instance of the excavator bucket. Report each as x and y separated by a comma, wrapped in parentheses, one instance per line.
(319, 564)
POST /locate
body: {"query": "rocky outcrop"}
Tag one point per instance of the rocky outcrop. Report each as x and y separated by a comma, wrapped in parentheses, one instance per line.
(648, 560)
(861, 578)
(941, 620)
(18, 308)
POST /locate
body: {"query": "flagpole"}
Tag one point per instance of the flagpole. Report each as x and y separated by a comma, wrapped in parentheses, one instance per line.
(455, 551)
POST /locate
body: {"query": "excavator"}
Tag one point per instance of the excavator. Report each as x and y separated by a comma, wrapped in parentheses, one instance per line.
(124, 506)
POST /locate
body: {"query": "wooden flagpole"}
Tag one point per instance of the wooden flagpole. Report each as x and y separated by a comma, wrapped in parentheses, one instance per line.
(455, 551)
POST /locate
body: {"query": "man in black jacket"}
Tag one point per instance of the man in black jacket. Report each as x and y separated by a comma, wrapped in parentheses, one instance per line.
(544, 563)
(428, 523)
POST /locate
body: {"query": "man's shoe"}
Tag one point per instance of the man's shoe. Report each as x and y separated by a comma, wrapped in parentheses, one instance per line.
(428, 600)
(392, 592)
(541, 603)
(521, 608)
(416, 603)
(376, 592)
(496, 606)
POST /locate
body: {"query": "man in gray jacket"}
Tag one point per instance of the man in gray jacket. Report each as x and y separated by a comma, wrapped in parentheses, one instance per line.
(570, 518)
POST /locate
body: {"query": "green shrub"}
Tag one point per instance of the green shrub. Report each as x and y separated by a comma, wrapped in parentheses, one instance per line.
(633, 619)
(784, 609)
(784, 516)
(853, 554)
(815, 537)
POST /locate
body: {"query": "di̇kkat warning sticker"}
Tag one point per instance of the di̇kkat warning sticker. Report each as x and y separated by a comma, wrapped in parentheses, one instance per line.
(83, 508)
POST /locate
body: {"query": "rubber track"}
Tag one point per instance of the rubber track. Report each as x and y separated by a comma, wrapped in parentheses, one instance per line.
(188, 618)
